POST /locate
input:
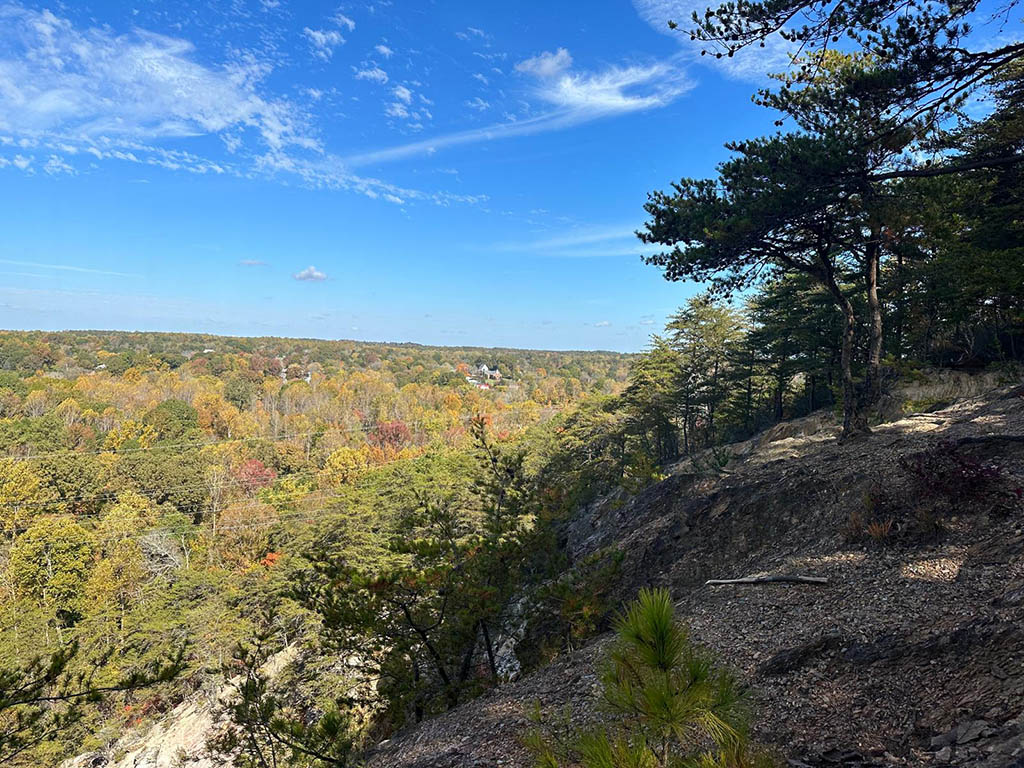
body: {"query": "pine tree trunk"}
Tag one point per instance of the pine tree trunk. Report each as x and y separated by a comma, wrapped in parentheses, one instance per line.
(873, 385)
(846, 364)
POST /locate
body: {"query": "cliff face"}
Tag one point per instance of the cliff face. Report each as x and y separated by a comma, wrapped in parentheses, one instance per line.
(913, 654)
(177, 740)
(181, 734)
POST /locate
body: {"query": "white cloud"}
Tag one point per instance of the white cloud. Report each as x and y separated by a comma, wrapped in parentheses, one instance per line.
(478, 104)
(573, 98)
(373, 74)
(482, 78)
(323, 41)
(310, 273)
(470, 33)
(331, 172)
(56, 165)
(384, 51)
(617, 89)
(72, 96)
(602, 324)
(91, 87)
(253, 263)
(343, 21)
(752, 63)
(546, 64)
(397, 109)
(402, 93)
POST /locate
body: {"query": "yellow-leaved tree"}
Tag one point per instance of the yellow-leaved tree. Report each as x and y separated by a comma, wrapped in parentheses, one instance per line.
(23, 495)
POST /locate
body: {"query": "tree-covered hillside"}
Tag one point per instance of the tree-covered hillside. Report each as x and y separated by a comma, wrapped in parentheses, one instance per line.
(154, 486)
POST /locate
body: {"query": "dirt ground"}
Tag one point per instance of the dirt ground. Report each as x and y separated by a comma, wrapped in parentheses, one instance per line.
(913, 654)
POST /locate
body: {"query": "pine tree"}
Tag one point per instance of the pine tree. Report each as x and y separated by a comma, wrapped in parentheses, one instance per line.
(671, 704)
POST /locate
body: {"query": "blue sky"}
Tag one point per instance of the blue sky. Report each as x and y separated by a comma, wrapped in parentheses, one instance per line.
(445, 173)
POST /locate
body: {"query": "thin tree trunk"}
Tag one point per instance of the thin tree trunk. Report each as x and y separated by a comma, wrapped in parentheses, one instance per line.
(900, 303)
(827, 276)
(873, 385)
(747, 425)
(850, 422)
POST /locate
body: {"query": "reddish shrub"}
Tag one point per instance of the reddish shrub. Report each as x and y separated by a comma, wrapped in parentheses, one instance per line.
(253, 475)
(390, 435)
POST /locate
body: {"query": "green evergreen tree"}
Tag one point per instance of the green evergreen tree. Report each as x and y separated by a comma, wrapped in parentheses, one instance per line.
(668, 702)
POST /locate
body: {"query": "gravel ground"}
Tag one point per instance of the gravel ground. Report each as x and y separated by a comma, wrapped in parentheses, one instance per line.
(911, 655)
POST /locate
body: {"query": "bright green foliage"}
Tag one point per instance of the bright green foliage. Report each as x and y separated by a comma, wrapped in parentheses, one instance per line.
(172, 419)
(130, 515)
(265, 726)
(671, 704)
(48, 695)
(50, 563)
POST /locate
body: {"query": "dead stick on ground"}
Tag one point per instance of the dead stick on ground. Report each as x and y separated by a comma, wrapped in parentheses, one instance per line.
(820, 580)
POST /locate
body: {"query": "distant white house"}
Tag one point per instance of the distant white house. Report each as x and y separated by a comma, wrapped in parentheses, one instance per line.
(489, 373)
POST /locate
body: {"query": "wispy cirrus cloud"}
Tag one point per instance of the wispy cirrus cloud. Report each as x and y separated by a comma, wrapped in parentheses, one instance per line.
(469, 33)
(753, 63)
(86, 84)
(578, 243)
(81, 95)
(67, 268)
(571, 98)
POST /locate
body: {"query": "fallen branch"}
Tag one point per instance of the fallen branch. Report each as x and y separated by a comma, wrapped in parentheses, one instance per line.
(819, 580)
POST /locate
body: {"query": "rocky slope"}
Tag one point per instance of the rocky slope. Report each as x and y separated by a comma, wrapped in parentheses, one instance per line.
(912, 655)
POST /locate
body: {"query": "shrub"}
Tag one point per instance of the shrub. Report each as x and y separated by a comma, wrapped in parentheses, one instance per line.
(671, 703)
(714, 462)
(572, 608)
(944, 472)
(933, 484)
